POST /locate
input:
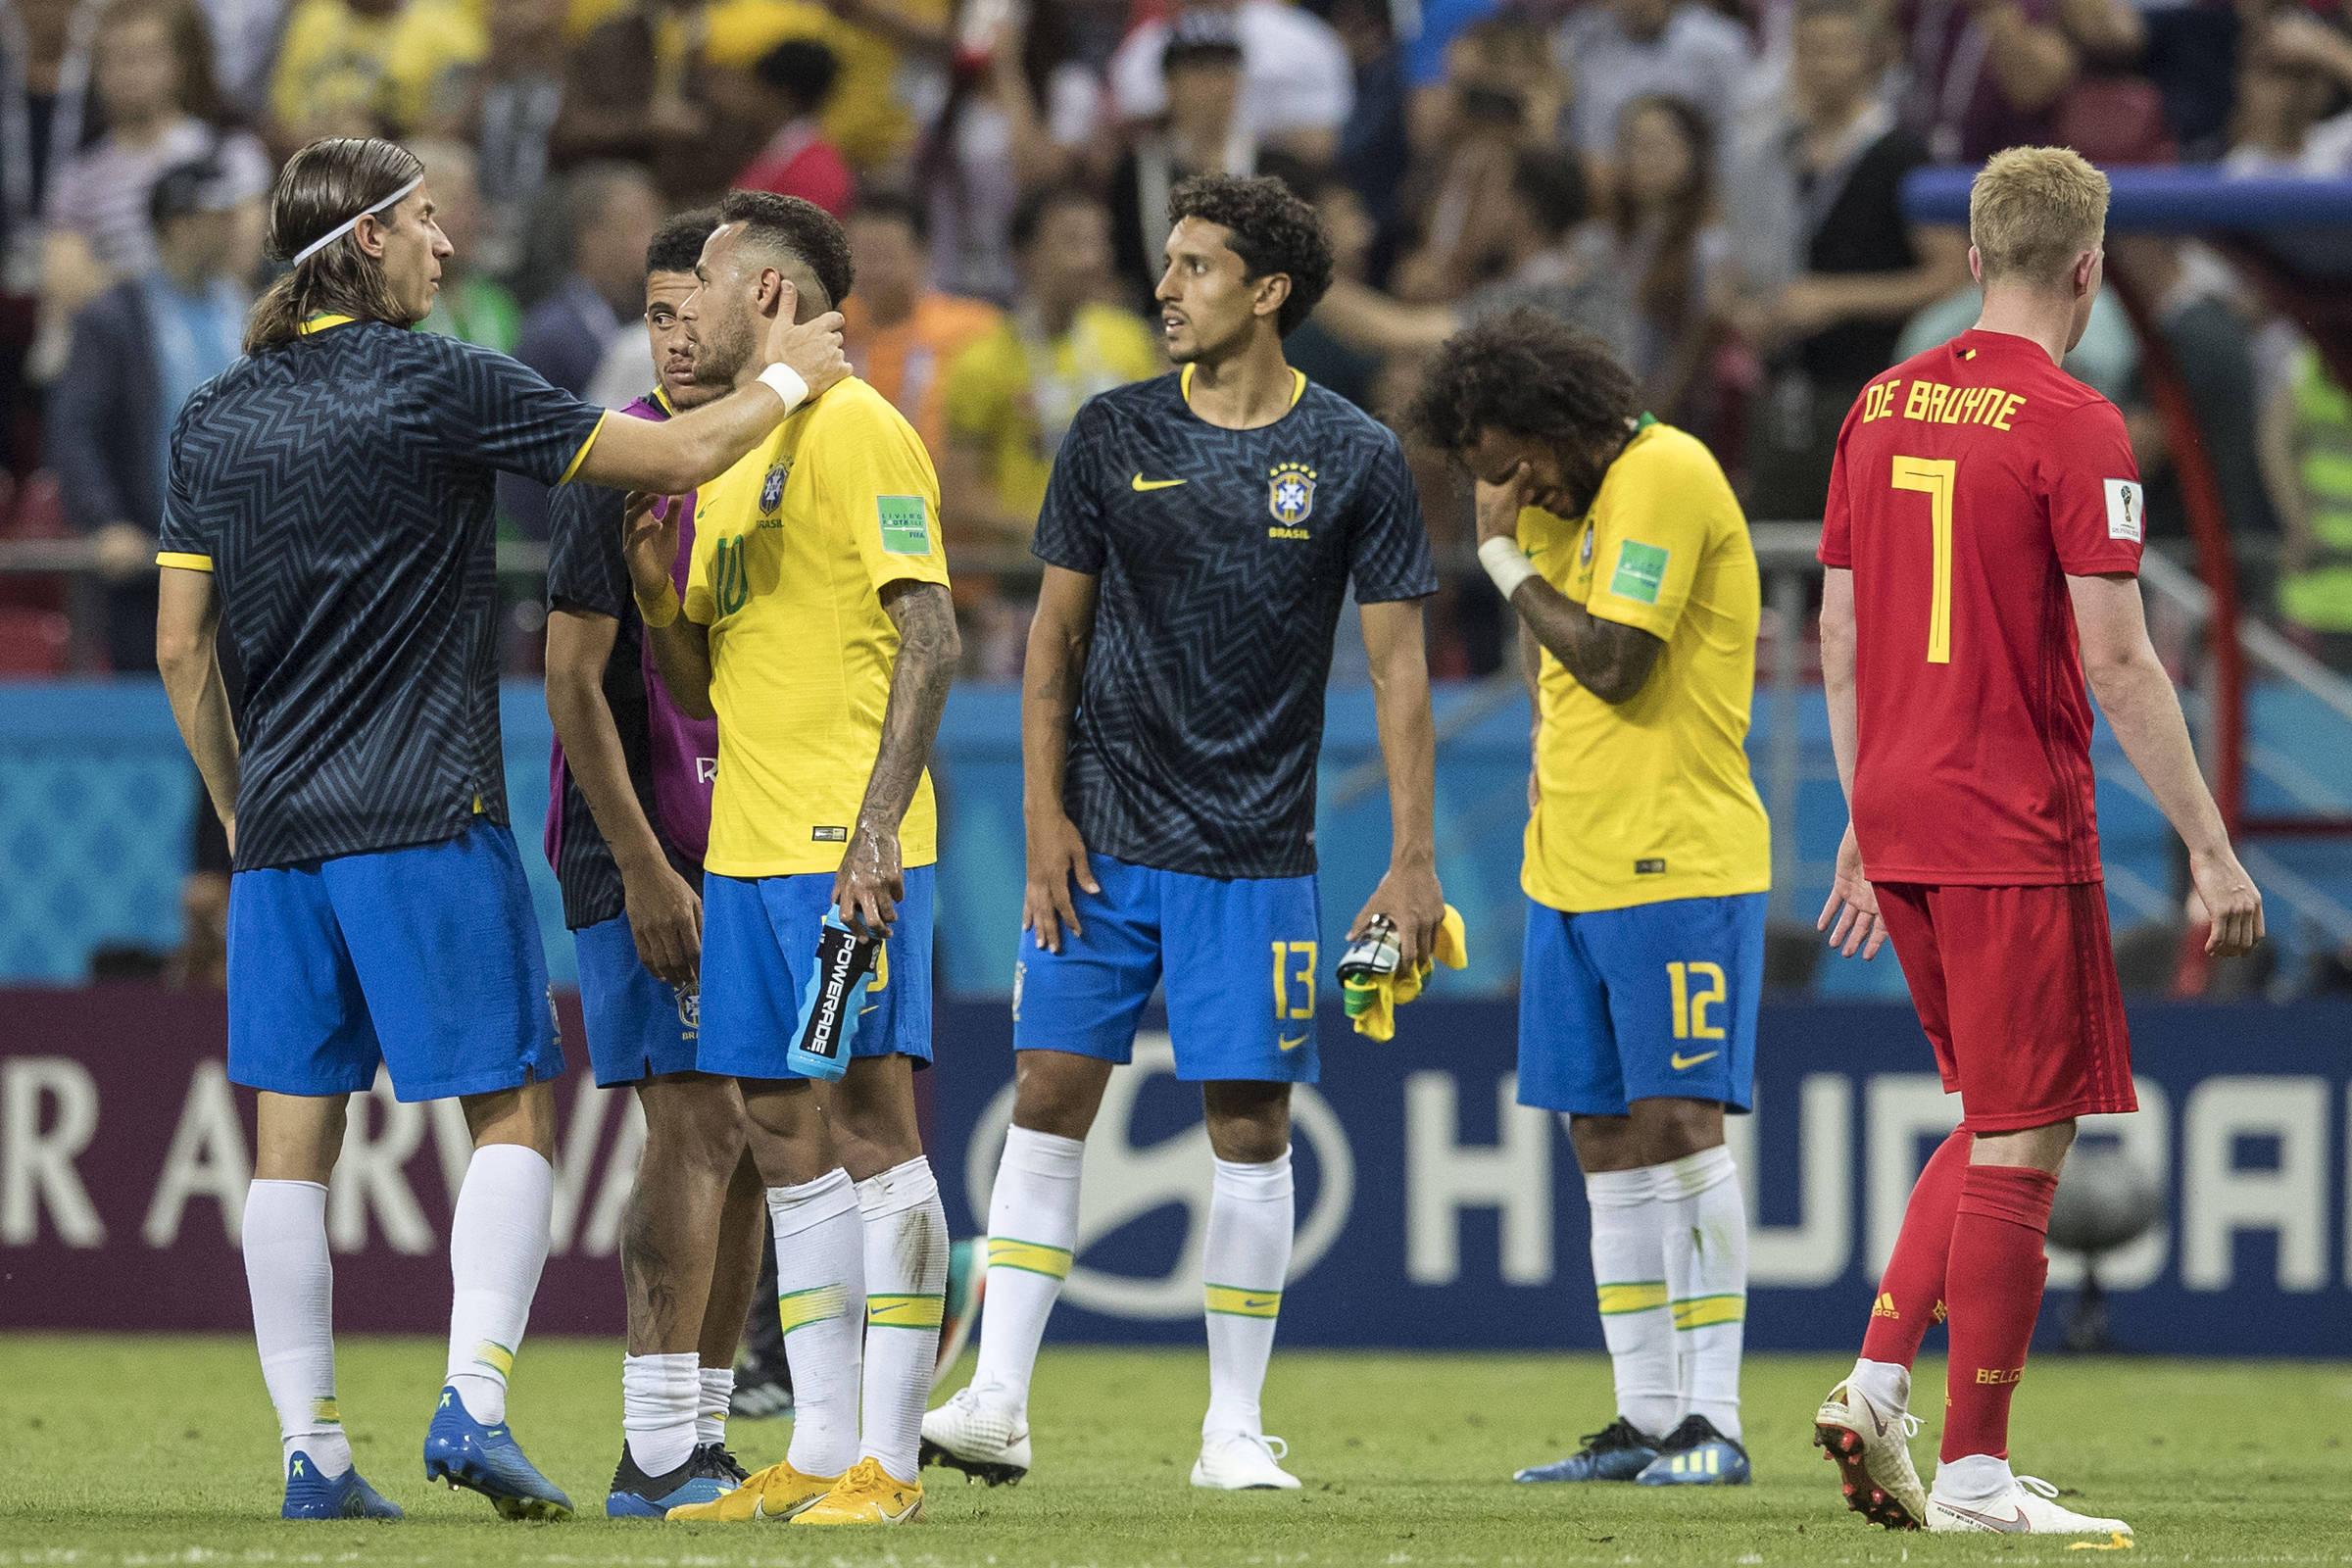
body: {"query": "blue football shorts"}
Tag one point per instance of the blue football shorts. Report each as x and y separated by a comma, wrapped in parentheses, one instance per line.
(425, 959)
(759, 950)
(1642, 1002)
(639, 1026)
(1238, 959)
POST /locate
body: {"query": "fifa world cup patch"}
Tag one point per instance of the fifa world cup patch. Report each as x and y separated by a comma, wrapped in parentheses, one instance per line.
(1641, 572)
(906, 524)
(2127, 508)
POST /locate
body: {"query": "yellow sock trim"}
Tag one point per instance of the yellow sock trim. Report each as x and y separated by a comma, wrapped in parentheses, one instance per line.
(904, 1312)
(495, 1356)
(1635, 1296)
(797, 1310)
(325, 1413)
(1005, 1252)
(1237, 1302)
(1701, 1312)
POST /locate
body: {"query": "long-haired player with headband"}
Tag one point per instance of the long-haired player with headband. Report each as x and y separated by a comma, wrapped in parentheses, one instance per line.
(331, 501)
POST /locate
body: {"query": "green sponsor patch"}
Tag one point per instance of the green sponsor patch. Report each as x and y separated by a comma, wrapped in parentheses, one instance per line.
(1640, 569)
(906, 528)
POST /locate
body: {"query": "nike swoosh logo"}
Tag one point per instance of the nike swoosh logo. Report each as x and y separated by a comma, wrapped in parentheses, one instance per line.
(1288, 1044)
(1682, 1063)
(2013, 1525)
(1253, 1302)
(1142, 483)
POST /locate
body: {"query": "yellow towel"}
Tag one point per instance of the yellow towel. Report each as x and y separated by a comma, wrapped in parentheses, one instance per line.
(1372, 1003)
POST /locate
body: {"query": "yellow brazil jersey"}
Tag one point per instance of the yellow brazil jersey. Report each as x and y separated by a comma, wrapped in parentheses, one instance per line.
(1650, 799)
(1014, 395)
(341, 74)
(792, 547)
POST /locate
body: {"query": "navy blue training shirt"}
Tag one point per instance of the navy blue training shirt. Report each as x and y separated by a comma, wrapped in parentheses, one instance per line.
(339, 489)
(1224, 557)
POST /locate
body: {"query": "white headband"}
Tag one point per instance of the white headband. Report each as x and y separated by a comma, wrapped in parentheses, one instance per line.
(353, 222)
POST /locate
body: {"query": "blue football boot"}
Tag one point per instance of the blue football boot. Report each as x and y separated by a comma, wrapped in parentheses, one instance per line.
(463, 1453)
(709, 1474)
(312, 1496)
(1695, 1454)
(1618, 1452)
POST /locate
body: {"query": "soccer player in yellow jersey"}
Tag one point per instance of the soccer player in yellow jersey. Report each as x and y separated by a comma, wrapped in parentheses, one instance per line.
(1619, 544)
(816, 628)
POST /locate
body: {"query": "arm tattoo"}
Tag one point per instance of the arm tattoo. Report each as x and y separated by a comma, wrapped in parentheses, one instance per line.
(1610, 660)
(928, 649)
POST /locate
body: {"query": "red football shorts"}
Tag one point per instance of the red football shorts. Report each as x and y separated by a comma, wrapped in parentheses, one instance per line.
(2016, 988)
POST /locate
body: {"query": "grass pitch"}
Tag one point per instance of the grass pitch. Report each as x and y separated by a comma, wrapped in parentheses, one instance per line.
(151, 1451)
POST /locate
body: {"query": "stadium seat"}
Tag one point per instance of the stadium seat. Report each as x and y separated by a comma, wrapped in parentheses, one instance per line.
(32, 642)
(39, 512)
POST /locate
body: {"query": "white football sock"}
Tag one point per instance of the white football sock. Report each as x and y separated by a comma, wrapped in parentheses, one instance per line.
(1628, 1269)
(718, 1401)
(292, 1282)
(658, 1396)
(906, 1298)
(1706, 1279)
(821, 1300)
(1888, 1382)
(1973, 1478)
(1031, 1227)
(497, 1246)
(1244, 1265)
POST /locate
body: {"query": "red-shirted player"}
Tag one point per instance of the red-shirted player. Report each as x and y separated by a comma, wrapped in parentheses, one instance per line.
(1983, 543)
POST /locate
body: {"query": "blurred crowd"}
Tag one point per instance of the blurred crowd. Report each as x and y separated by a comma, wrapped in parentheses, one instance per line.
(1712, 190)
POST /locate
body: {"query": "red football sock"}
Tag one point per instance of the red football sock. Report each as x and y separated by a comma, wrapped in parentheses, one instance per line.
(1911, 1291)
(1994, 1288)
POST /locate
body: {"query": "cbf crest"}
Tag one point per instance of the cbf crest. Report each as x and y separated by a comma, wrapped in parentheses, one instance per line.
(771, 488)
(1291, 498)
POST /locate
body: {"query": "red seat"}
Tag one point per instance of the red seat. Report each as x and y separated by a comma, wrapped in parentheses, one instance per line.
(32, 642)
(33, 510)
(41, 510)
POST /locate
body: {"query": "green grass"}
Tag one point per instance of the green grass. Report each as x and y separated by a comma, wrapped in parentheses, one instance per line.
(148, 1452)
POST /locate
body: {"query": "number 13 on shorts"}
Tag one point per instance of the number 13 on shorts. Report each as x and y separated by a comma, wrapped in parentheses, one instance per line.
(1690, 1007)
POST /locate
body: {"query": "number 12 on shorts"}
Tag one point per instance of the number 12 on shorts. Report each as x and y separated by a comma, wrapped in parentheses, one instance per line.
(1690, 1008)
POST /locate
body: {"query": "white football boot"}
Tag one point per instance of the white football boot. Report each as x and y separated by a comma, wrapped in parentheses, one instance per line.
(1870, 1445)
(1241, 1461)
(2027, 1508)
(985, 1441)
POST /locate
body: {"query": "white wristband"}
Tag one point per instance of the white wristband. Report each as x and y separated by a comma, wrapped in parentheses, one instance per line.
(1506, 564)
(785, 381)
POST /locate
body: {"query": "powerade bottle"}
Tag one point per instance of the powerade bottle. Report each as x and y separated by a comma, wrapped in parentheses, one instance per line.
(832, 1003)
(1368, 960)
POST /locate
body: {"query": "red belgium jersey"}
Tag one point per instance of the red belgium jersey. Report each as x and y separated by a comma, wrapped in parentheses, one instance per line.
(1970, 481)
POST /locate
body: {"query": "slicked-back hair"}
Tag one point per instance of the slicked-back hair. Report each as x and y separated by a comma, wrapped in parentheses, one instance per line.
(2031, 211)
(1269, 229)
(1525, 372)
(797, 228)
(677, 245)
(323, 184)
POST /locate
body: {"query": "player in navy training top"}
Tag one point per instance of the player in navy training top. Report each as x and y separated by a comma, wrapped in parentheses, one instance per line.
(628, 819)
(1200, 534)
(330, 499)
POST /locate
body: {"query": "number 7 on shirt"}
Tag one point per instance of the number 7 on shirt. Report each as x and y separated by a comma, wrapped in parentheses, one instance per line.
(1936, 476)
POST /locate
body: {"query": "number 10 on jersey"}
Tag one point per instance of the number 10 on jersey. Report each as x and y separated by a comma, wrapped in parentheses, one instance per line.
(1936, 476)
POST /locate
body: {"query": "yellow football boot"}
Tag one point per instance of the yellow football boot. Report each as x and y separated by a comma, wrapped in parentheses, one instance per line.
(778, 1493)
(866, 1495)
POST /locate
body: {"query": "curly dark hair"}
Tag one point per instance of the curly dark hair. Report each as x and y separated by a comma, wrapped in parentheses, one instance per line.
(799, 230)
(1525, 372)
(1271, 230)
(677, 245)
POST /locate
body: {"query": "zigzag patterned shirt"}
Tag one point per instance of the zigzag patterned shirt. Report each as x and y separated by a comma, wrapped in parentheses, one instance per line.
(339, 489)
(1224, 557)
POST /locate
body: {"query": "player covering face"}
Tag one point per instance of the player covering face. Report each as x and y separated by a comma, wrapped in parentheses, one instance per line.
(1199, 533)
(1983, 547)
(628, 821)
(1618, 543)
(817, 628)
(330, 501)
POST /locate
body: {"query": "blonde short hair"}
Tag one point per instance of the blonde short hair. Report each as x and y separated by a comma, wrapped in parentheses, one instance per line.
(2033, 210)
